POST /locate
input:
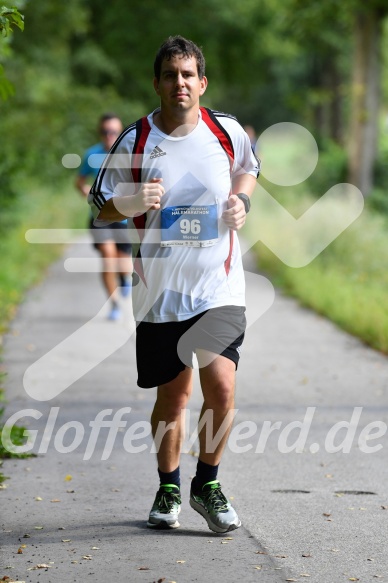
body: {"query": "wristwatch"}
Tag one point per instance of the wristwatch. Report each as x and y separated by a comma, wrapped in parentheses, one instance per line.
(246, 200)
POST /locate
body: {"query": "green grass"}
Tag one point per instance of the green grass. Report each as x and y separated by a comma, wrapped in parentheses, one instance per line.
(24, 264)
(347, 281)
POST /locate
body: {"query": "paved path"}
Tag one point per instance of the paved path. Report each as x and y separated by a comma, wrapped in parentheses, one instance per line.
(314, 515)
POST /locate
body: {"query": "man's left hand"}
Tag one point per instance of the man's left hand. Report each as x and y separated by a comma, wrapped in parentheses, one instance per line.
(235, 216)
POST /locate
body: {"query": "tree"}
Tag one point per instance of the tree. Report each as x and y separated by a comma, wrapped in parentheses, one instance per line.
(9, 17)
(366, 93)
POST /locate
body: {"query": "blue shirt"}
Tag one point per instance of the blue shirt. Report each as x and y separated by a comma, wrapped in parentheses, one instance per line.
(85, 168)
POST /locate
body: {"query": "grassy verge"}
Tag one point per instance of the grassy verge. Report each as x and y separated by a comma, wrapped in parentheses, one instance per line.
(24, 264)
(346, 282)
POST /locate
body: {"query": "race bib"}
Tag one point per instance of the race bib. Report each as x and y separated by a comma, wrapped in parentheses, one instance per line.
(189, 226)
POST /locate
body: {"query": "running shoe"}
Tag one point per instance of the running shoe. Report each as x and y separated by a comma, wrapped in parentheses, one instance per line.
(167, 506)
(115, 313)
(215, 508)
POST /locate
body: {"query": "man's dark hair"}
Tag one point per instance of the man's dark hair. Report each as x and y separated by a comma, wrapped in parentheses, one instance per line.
(177, 45)
(107, 117)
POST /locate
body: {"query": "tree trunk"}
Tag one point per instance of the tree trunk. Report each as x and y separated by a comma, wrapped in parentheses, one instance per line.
(365, 99)
(336, 126)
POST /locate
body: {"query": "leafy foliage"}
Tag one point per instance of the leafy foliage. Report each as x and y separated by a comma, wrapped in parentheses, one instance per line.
(267, 62)
(10, 17)
(18, 436)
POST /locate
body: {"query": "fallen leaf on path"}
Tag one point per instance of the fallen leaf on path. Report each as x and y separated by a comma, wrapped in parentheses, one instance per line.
(74, 562)
(353, 579)
(39, 566)
(281, 556)
(38, 527)
(228, 538)
(304, 575)
(38, 498)
(224, 542)
(143, 568)
(384, 507)
(258, 567)
(326, 514)
(181, 561)
(329, 476)
(66, 540)
(87, 557)
(3, 486)
(68, 478)
(306, 555)
(55, 500)
(291, 579)
(95, 548)
(70, 491)
(20, 551)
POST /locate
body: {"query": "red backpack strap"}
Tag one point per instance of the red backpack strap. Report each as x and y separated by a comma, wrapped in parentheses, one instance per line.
(220, 132)
(143, 129)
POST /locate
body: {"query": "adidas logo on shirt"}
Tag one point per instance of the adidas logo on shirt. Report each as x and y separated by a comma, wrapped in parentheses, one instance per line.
(157, 152)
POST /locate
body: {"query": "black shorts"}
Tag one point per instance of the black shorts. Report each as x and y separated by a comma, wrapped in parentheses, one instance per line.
(163, 350)
(117, 232)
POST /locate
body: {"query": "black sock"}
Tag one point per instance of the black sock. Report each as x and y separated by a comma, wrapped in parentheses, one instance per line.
(170, 477)
(205, 473)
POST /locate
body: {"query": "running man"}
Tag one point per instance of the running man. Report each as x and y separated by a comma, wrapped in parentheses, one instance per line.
(112, 242)
(187, 192)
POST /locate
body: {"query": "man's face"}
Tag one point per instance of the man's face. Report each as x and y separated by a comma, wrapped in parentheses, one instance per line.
(179, 86)
(110, 131)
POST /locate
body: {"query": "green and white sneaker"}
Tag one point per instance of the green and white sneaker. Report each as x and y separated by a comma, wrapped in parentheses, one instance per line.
(215, 508)
(167, 506)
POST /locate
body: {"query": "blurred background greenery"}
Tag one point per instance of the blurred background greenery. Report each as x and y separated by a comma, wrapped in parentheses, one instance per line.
(320, 64)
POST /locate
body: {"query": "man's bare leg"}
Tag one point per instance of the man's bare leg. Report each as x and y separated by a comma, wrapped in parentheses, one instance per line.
(108, 253)
(218, 384)
(171, 399)
(207, 498)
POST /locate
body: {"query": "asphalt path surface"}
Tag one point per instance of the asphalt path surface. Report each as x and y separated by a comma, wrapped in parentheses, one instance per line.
(305, 465)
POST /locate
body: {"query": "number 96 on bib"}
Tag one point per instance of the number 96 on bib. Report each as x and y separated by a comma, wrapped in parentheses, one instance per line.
(189, 226)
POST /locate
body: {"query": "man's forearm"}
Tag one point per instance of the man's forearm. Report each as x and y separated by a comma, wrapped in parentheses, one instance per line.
(244, 183)
(117, 209)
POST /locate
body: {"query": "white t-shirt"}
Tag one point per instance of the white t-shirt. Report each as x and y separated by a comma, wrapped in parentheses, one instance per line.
(189, 260)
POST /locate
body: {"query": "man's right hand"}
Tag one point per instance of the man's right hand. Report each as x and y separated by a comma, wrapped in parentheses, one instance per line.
(148, 198)
(149, 195)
